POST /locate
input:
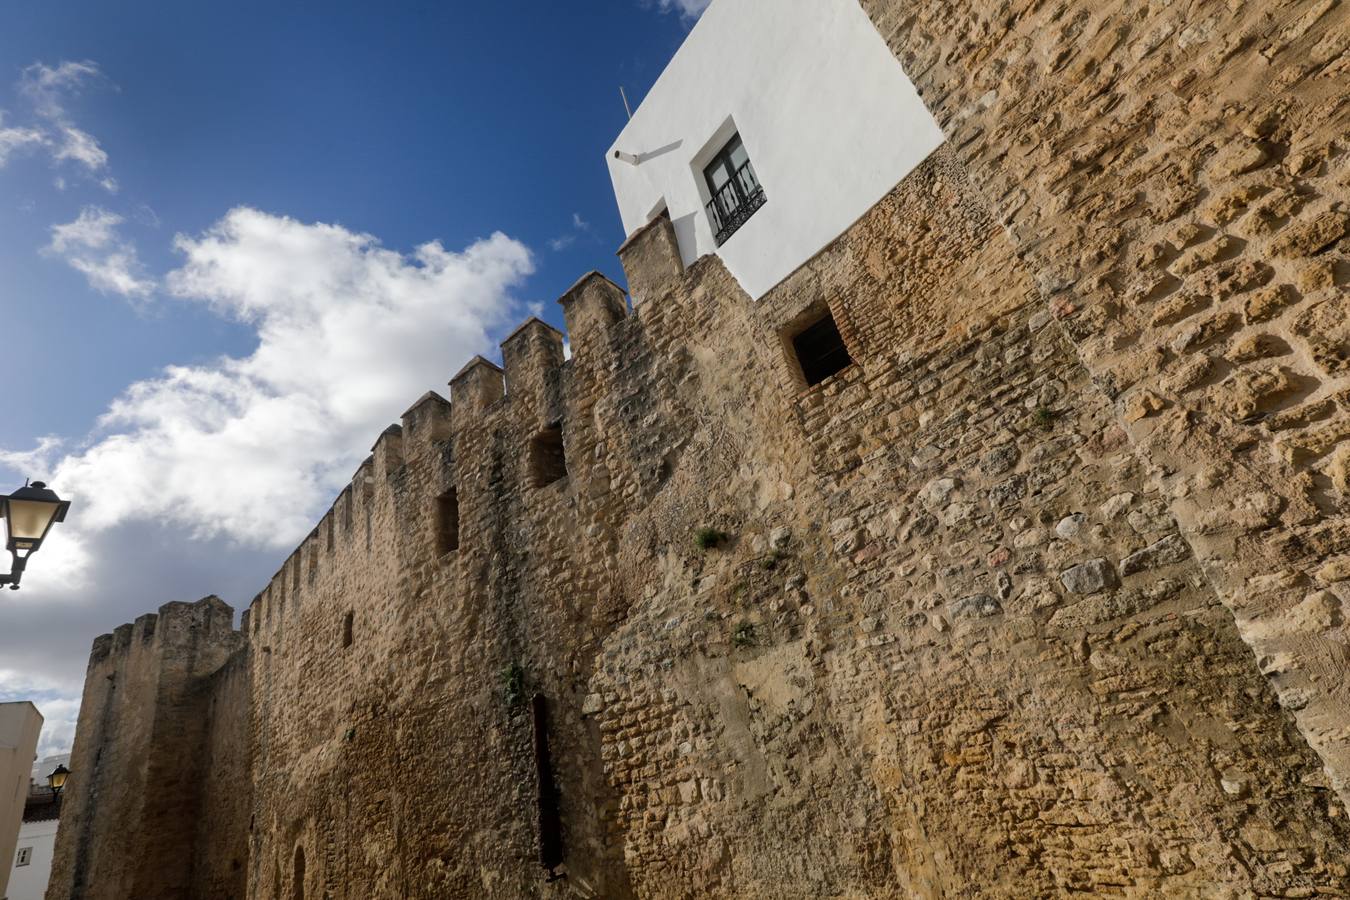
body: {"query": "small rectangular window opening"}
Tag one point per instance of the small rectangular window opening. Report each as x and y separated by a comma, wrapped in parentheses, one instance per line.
(447, 521)
(734, 188)
(820, 350)
(547, 460)
(25, 856)
(347, 630)
(551, 850)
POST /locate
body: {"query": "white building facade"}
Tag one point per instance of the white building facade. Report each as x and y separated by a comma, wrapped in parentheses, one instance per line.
(33, 860)
(776, 126)
(36, 844)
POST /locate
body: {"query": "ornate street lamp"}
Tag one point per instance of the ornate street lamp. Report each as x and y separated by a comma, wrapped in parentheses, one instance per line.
(57, 779)
(29, 514)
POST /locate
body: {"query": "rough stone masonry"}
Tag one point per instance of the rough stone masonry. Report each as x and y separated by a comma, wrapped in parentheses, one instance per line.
(1043, 595)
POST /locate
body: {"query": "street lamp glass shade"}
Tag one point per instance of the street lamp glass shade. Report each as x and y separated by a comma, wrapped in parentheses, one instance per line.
(57, 779)
(29, 514)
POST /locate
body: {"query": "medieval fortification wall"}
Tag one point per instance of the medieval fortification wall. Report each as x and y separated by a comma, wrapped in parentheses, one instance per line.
(1043, 595)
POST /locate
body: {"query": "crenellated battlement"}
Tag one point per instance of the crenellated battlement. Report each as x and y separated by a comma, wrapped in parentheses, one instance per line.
(423, 456)
(477, 386)
(176, 624)
(651, 260)
(533, 360)
(527, 393)
(427, 421)
(591, 307)
(980, 509)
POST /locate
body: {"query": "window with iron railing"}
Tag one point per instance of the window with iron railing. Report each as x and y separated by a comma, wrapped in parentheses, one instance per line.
(736, 192)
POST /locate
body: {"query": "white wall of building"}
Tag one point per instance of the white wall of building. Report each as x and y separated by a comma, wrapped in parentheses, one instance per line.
(20, 725)
(829, 118)
(30, 882)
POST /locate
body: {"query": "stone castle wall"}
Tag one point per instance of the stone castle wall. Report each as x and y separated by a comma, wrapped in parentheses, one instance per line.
(128, 822)
(983, 620)
(1176, 176)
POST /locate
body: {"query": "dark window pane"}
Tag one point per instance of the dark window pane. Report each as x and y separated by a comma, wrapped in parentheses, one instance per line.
(735, 192)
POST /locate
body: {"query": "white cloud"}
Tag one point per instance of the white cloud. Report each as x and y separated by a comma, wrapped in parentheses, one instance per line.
(37, 458)
(690, 9)
(13, 140)
(349, 333)
(60, 716)
(579, 227)
(92, 246)
(47, 88)
(44, 85)
(95, 229)
(81, 147)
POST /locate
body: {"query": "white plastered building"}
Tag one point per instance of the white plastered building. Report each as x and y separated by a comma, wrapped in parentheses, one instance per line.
(776, 126)
(36, 846)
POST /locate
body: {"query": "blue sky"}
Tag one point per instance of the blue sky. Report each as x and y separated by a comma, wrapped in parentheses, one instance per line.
(236, 239)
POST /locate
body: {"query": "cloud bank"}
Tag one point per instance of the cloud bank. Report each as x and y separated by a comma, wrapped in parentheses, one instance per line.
(349, 334)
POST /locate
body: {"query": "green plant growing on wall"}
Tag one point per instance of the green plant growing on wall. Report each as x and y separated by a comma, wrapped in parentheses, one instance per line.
(743, 635)
(1043, 417)
(513, 685)
(709, 538)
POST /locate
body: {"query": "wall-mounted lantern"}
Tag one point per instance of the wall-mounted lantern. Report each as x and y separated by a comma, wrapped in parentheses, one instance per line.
(57, 779)
(29, 514)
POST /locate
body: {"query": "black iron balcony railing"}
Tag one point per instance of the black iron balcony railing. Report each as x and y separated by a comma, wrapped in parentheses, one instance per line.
(736, 201)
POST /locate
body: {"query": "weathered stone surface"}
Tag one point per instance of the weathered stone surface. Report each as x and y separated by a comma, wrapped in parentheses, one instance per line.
(1089, 577)
(1115, 605)
(1313, 236)
(1123, 139)
(938, 491)
(1171, 549)
(974, 607)
(1069, 526)
(161, 793)
(1268, 303)
(1238, 158)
